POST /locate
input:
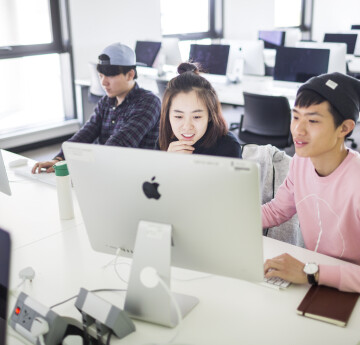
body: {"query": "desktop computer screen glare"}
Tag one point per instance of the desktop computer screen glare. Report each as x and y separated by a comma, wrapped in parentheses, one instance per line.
(272, 38)
(213, 58)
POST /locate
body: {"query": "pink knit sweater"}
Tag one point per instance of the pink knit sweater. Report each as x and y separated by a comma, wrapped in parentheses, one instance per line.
(329, 213)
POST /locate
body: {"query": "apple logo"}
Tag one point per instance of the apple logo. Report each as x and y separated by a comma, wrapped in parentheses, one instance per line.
(151, 189)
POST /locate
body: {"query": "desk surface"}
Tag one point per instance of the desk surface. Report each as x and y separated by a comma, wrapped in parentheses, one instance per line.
(230, 311)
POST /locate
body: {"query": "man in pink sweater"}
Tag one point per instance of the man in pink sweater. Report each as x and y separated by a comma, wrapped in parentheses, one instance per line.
(322, 185)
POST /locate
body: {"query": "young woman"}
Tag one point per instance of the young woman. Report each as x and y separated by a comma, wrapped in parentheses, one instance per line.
(191, 120)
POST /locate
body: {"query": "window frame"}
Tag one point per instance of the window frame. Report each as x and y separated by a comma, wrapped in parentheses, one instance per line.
(61, 44)
(215, 19)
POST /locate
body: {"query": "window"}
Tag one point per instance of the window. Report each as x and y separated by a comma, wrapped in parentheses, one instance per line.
(189, 19)
(36, 83)
(295, 14)
(287, 13)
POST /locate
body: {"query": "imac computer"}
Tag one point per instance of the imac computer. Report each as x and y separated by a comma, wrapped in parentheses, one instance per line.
(5, 250)
(166, 209)
(337, 59)
(4, 181)
(146, 52)
(300, 64)
(245, 55)
(171, 51)
(349, 38)
(272, 38)
(213, 58)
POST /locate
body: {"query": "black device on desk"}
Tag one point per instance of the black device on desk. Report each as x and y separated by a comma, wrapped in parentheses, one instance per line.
(213, 58)
(5, 247)
(146, 52)
(300, 64)
(355, 27)
(349, 39)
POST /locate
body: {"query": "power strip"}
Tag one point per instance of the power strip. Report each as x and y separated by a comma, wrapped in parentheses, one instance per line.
(26, 310)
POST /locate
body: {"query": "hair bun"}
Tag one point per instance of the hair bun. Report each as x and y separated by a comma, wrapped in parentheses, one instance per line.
(188, 67)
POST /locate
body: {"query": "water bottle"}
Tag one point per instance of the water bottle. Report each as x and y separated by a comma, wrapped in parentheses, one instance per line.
(63, 185)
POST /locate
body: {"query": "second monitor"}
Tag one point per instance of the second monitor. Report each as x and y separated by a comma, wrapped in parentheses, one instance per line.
(300, 64)
(213, 58)
(146, 52)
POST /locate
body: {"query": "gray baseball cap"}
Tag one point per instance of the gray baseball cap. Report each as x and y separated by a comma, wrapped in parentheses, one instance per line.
(119, 55)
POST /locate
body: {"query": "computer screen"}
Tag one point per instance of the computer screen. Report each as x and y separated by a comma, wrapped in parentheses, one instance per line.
(4, 182)
(213, 58)
(355, 27)
(146, 52)
(337, 59)
(252, 53)
(211, 203)
(272, 38)
(349, 39)
(300, 64)
(4, 282)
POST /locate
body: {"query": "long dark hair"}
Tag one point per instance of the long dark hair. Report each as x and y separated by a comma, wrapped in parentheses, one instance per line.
(189, 80)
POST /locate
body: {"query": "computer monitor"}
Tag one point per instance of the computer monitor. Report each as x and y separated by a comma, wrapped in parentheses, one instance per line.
(252, 54)
(192, 211)
(272, 38)
(146, 52)
(5, 250)
(355, 27)
(348, 38)
(300, 64)
(4, 181)
(171, 51)
(213, 58)
(337, 59)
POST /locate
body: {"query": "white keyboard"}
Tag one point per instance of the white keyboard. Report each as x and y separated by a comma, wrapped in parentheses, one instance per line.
(275, 282)
(25, 171)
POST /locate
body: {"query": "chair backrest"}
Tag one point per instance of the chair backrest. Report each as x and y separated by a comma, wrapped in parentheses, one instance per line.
(266, 115)
(95, 85)
(161, 84)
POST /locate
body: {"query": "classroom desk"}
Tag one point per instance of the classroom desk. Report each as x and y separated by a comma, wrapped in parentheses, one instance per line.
(230, 311)
(230, 93)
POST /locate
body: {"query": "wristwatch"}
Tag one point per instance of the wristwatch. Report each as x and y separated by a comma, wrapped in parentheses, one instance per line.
(310, 269)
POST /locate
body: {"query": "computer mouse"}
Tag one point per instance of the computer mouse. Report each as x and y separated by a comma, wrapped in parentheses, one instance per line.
(18, 162)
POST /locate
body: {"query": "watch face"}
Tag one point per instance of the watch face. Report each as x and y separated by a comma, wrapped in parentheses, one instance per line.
(311, 268)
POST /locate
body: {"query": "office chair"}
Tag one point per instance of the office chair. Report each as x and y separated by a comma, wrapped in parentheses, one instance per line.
(161, 84)
(266, 120)
(96, 92)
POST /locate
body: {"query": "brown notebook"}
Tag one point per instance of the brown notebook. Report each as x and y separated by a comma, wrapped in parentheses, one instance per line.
(328, 304)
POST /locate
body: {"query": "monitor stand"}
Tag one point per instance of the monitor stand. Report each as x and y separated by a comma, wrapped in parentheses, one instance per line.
(154, 304)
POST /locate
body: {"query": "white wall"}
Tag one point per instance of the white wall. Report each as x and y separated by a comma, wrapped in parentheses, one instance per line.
(334, 16)
(98, 23)
(244, 18)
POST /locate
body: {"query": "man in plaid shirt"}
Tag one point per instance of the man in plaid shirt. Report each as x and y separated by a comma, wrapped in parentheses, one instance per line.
(127, 116)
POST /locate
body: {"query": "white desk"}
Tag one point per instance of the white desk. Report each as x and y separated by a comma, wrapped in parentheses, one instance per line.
(230, 93)
(230, 311)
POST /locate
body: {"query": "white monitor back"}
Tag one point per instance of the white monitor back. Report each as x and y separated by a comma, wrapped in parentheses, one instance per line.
(95, 84)
(252, 54)
(171, 51)
(337, 58)
(212, 203)
(4, 181)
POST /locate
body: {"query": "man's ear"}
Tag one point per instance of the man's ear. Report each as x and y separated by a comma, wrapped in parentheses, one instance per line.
(346, 127)
(130, 75)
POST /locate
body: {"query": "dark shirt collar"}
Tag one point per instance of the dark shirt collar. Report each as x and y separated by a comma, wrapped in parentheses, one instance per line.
(131, 94)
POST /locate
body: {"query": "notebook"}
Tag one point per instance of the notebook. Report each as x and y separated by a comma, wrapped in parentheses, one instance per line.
(4, 282)
(328, 304)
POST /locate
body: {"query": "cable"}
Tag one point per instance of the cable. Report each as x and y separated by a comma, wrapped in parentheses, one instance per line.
(115, 263)
(96, 290)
